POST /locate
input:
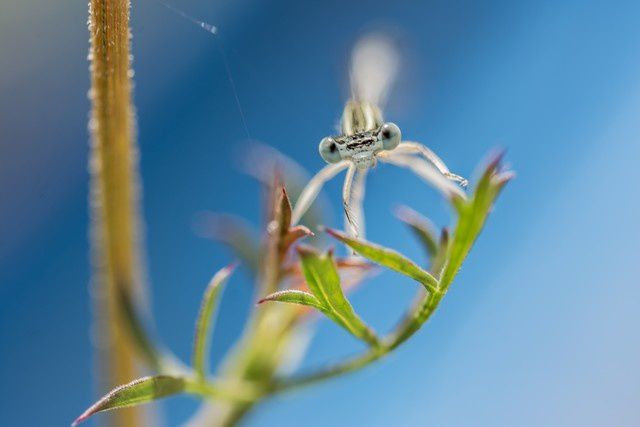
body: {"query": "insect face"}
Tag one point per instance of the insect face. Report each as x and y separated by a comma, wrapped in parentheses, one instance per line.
(362, 147)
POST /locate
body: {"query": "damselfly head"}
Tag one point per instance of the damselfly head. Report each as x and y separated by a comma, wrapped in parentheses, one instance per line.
(362, 147)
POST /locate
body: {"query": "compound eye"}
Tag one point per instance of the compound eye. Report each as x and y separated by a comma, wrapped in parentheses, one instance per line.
(329, 150)
(390, 136)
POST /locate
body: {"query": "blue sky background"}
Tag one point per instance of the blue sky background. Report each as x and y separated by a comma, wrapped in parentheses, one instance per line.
(541, 326)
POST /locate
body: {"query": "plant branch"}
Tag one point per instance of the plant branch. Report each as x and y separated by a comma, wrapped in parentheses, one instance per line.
(114, 198)
(472, 214)
(390, 343)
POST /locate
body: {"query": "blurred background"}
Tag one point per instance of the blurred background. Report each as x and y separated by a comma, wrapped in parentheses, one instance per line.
(541, 325)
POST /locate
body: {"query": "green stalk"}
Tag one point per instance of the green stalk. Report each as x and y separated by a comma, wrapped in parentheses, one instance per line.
(472, 215)
(114, 198)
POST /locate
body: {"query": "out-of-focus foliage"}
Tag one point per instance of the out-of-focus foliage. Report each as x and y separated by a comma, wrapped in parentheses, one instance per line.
(290, 276)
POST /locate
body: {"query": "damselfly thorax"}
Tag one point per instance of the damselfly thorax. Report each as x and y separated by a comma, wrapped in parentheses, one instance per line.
(359, 117)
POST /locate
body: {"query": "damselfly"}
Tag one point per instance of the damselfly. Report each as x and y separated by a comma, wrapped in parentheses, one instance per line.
(366, 138)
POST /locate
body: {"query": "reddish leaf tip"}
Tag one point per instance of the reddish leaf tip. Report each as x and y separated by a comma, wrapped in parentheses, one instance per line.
(496, 159)
(505, 177)
(301, 230)
(444, 234)
(335, 233)
(82, 418)
(230, 268)
(306, 250)
(330, 252)
(403, 212)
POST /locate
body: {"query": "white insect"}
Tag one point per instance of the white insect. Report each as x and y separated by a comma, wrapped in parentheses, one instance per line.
(366, 138)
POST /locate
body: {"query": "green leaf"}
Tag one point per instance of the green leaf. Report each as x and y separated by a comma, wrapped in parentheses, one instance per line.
(438, 261)
(472, 215)
(388, 258)
(203, 323)
(294, 296)
(323, 280)
(235, 233)
(136, 392)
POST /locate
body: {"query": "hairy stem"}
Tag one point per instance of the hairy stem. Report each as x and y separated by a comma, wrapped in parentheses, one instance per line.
(113, 189)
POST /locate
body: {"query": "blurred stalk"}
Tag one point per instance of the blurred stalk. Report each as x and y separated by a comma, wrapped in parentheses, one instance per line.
(114, 198)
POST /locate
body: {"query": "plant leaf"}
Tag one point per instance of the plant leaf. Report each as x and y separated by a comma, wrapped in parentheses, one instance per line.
(260, 161)
(283, 212)
(437, 263)
(388, 258)
(295, 233)
(472, 215)
(323, 280)
(136, 392)
(276, 246)
(235, 233)
(294, 296)
(421, 227)
(203, 323)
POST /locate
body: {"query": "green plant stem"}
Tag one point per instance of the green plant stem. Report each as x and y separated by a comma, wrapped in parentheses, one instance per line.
(114, 192)
(471, 218)
(388, 344)
(239, 393)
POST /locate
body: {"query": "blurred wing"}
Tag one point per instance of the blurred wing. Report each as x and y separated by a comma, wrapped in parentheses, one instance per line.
(374, 65)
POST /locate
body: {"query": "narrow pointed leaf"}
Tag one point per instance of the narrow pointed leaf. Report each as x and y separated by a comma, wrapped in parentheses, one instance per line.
(276, 247)
(388, 258)
(294, 234)
(235, 233)
(324, 282)
(472, 216)
(421, 228)
(283, 212)
(438, 261)
(203, 323)
(260, 161)
(135, 393)
(294, 296)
